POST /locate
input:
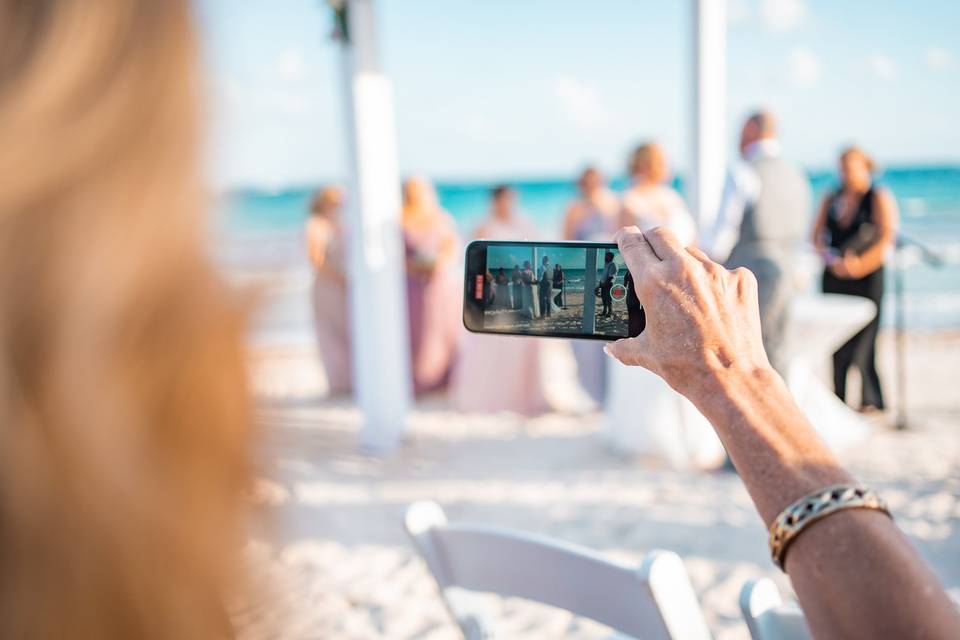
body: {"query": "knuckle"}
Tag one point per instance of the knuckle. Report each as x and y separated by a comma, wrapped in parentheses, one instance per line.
(745, 276)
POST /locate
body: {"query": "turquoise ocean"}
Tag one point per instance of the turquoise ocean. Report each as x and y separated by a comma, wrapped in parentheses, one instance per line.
(258, 229)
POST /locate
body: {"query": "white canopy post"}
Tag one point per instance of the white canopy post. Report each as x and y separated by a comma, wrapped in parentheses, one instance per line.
(378, 305)
(709, 109)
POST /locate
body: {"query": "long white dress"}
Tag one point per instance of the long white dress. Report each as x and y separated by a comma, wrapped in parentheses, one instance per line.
(645, 417)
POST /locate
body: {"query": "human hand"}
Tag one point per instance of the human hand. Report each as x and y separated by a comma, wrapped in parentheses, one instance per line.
(848, 267)
(703, 321)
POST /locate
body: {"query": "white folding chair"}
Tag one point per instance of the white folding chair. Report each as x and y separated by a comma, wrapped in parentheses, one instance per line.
(768, 617)
(655, 601)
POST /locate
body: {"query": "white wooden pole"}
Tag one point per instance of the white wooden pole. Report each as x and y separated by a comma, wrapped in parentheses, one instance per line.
(378, 305)
(709, 152)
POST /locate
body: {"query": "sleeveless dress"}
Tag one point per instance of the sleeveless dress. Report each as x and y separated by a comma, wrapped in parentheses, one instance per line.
(860, 350)
(331, 308)
(594, 226)
(500, 373)
(433, 305)
(645, 416)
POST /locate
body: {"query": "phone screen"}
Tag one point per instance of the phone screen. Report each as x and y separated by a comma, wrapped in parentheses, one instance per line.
(560, 289)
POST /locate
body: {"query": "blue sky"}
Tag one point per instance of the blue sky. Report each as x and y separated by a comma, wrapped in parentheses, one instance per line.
(519, 88)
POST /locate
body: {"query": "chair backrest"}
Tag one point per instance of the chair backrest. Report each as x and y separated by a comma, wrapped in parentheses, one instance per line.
(654, 601)
(768, 617)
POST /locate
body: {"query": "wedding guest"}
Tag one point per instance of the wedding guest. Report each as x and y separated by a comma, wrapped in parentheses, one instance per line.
(854, 232)
(326, 246)
(502, 300)
(125, 445)
(593, 217)
(526, 291)
(434, 290)
(516, 284)
(636, 320)
(496, 373)
(606, 284)
(558, 286)
(854, 571)
(671, 429)
(761, 224)
(651, 202)
(544, 286)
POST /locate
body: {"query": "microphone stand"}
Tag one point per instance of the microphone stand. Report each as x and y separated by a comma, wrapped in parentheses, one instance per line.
(900, 323)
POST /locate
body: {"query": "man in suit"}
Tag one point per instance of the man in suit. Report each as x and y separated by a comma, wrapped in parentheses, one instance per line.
(761, 225)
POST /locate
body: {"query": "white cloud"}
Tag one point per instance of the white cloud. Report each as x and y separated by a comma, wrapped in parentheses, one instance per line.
(580, 103)
(783, 15)
(882, 66)
(939, 58)
(804, 68)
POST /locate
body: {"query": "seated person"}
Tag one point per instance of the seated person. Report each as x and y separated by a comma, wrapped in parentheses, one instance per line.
(855, 573)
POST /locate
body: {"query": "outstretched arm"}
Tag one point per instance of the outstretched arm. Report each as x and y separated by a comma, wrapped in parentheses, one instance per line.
(855, 573)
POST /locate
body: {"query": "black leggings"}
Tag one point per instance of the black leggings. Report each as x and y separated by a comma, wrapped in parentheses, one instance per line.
(861, 350)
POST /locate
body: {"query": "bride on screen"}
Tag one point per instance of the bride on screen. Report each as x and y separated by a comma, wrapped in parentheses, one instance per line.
(670, 427)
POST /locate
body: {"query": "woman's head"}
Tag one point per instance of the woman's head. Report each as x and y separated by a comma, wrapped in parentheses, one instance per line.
(419, 195)
(503, 199)
(590, 181)
(326, 202)
(856, 169)
(123, 410)
(648, 163)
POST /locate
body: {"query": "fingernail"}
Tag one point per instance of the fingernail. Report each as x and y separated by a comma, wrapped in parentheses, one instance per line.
(606, 350)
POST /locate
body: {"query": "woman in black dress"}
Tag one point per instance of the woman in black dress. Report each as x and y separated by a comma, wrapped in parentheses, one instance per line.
(558, 285)
(855, 229)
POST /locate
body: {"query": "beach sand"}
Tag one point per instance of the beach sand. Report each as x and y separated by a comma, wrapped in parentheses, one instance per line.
(332, 561)
(566, 320)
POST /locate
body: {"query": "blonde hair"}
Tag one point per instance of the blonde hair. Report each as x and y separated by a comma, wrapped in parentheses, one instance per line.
(644, 160)
(124, 419)
(325, 201)
(854, 150)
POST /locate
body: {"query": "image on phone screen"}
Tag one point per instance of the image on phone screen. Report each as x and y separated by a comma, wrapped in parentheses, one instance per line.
(561, 289)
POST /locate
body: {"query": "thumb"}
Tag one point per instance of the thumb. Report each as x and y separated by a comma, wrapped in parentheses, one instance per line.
(630, 351)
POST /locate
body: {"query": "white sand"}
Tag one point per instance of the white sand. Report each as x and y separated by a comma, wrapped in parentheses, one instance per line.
(339, 566)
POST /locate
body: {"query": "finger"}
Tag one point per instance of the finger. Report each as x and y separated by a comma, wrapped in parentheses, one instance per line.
(665, 244)
(636, 251)
(629, 351)
(699, 255)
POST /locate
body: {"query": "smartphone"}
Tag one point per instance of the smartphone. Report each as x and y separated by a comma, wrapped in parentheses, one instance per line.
(579, 290)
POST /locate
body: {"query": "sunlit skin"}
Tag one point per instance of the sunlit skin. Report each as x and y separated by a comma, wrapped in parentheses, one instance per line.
(594, 196)
(855, 573)
(653, 169)
(323, 221)
(762, 126)
(421, 209)
(649, 171)
(856, 178)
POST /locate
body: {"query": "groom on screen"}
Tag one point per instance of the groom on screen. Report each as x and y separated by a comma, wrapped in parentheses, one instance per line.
(546, 283)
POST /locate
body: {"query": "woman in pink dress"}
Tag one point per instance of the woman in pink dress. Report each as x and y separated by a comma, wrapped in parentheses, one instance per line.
(326, 247)
(496, 373)
(591, 217)
(434, 288)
